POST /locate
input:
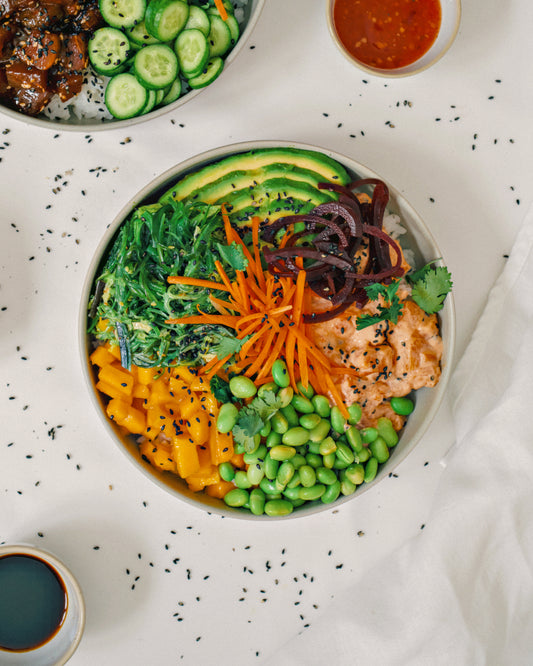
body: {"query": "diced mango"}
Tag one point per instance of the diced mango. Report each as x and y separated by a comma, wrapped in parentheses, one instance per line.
(119, 378)
(185, 455)
(101, 356)
(219, 489)
(198, 425)
(158, 455)
(112, 391)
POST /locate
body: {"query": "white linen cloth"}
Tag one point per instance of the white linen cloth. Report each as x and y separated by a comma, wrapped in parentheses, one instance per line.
(460, 592)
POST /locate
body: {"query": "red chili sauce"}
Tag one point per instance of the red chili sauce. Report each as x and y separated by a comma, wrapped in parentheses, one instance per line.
(387, 34)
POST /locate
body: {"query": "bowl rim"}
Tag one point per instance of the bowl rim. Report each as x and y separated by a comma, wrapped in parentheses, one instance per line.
(400, 72)
(110, 125)
(160, 182)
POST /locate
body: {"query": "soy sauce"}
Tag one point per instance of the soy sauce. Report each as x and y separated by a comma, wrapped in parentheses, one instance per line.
(33, 602)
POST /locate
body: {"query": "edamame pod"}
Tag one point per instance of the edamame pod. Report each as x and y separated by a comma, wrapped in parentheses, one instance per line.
(371, 469)
(379, 449)
(386, 430)
(354, 438)
(331, 493)
(290, 414)
(295, 436)
(338, 422)
(279, 423)
(402, 406)
(355, 413)
(321, 431)
(227, 417)
(282, 452)
(309, 421)
(313, 492)
(307, 476)
(257, 502)
(325, 476)
(280, 374)
(242, 387)
(226, 471)
(302, 404)
(236, 497)
(278, 507)
(321, 405)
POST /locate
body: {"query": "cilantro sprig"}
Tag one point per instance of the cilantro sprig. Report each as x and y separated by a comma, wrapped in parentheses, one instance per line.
(253, 418)
(430, 286)
(392, 309)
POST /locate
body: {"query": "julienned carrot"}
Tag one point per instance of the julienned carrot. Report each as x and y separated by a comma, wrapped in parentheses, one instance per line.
(268, 309)
(221, 10)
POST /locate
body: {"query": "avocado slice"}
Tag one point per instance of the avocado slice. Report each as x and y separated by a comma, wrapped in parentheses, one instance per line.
(219, 190)
(270, 211)
(327, 168)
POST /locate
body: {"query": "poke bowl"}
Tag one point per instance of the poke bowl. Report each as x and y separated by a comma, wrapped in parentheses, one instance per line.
(267, 330)
(85, 65)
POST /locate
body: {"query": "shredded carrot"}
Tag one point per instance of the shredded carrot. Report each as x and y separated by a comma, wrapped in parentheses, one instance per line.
(268, 309)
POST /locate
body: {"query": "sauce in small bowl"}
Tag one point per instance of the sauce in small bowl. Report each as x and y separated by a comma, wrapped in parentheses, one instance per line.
(393, 37)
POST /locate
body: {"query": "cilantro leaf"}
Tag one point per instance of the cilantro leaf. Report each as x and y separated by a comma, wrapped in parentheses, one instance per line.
(421, 272)
(267, 405)
(389, 312)
(233, 255)
(248, 425)
(228, 346)
(431, 289)
(220, 389)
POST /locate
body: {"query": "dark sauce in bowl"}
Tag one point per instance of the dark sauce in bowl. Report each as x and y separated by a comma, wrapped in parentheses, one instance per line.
(33, 602)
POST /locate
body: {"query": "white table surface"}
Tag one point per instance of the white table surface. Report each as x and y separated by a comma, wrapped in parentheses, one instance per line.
(166, 583)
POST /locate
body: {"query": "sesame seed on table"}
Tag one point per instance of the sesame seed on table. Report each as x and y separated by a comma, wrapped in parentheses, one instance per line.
(164, 582)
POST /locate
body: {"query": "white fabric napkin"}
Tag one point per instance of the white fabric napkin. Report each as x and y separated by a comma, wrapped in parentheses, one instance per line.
(460, 592)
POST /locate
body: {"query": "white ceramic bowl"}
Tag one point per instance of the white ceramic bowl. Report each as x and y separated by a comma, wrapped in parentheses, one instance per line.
(427, 399)
(59, 649)
(253, 11)
(451, 18)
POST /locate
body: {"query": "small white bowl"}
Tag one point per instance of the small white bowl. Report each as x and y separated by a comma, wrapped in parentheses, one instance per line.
(451, 18)
(60, 648)
(427, 399)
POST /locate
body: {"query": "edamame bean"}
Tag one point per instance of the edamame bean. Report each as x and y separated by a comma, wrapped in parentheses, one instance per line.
(386, 430)
(280, 374)
(327, 446)
(312, 493)
(257, 501)
(338, 422)
(285, 473)
(264, 388)
(402, 406)
(314, 460)
(295, 436)
(379, 449)
(280, 487)
(265, 430)
(241, 479)
(321, 405)
(326, 476)
(295, 481)
(290, 414)
(255, 473)
(363, 455)
(268, 486)
(309, 421)
(307, 476)
(273, 438)
(331, 493)
(285, 395)
(278, 507)
(238, 448)
(313, 447)
(368, 435)
(344, 453)
(292, 493)
(279, 423)
(226, 471)
(298, 460)
(329, 460)
(242, 387)
(282, 452)
(347, 487)
(355, 473)
(354, 438)
(227, 417)
(321, 431)
(273, 496)
(371, 469)
(339, 464)
(302, 404)
(355, 413)
(254, 456)
(236, 497)
(271, 467)
(307, 392)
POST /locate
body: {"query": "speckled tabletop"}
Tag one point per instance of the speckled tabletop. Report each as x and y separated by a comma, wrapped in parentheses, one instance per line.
(165, 583)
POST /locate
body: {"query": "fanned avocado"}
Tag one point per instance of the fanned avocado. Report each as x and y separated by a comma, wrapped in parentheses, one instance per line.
(324, 166)
(276, 195)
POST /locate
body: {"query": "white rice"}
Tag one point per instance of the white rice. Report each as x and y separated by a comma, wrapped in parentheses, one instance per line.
(89, 104)
(392, 224)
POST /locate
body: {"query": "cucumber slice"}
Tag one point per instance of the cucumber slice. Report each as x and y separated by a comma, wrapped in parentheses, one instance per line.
(156, 66)
(234, 29)
(150, 102)
(212, 9)
(108, 50)
(139, 36)
(165, 19)
(192, 50)
(198, 19)
(173, 93)
(122, 13)
(219, 37)
(125, 97)
(212, 70)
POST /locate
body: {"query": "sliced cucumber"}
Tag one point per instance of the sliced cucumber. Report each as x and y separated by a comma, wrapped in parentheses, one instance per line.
(211, 71)
(108, 50)
(192, 50)
(156, 66)
(234, 29)
(151, 100)
(212, 9)
(122, 13)
(139, 36)
(198, 19)
(125, 97)
(219, 37)
(165, 19)
(173, 93)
